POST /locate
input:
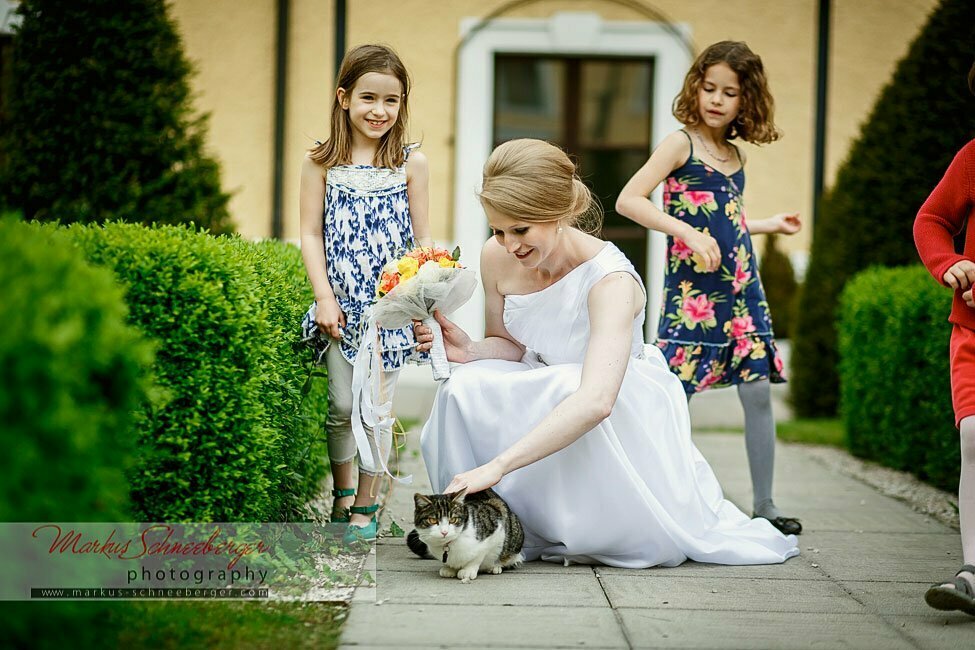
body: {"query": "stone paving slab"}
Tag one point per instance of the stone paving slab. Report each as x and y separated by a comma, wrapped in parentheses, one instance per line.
(939, 631)
(758, 630)
(886, 557)
(894, 598)
(797, 568)
(566, 590)
(728, 594)
(461, 626)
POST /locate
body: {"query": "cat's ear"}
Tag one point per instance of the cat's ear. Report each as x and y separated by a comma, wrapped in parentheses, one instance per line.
(420, 500)
(458, 497)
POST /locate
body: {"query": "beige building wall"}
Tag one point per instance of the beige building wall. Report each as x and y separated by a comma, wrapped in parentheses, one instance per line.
(232, 45)
(869, 38)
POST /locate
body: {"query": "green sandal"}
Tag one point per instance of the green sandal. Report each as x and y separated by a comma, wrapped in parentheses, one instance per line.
(341, 515)
(961, 597)
(365, 533)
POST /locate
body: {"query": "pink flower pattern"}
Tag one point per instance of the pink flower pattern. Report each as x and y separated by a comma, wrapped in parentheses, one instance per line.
(697, 199)
(698, 308)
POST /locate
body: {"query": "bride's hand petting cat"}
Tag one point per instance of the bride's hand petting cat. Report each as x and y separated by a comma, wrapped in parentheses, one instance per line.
(456, 341)
(477, 479)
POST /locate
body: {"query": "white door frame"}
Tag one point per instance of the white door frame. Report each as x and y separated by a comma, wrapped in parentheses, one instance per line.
(576, 34)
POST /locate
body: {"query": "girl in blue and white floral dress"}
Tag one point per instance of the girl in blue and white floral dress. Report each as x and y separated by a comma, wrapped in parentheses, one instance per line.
(364, 198)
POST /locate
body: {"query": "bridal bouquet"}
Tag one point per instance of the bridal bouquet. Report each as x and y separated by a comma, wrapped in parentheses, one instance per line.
(410, 288)
(414, 286)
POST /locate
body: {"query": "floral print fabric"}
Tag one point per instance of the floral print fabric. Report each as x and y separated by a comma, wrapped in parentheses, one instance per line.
(715, 329)
(366, 223)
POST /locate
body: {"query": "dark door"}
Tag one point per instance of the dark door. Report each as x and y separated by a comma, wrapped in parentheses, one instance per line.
(597, 110)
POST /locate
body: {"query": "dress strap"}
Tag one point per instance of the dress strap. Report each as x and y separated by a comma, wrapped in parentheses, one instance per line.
(408, 149)
(612, 260)
(689, 140)
(737, 152)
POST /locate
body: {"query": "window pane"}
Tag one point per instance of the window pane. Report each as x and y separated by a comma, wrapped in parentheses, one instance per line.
(528, 98)
(615, 103)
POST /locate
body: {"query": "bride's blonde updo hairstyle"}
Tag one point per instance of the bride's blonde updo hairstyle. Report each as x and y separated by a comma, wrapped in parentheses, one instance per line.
(532, 180)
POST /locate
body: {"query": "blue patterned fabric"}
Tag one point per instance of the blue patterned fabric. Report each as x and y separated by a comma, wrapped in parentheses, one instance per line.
(366, 223)
(715, 328)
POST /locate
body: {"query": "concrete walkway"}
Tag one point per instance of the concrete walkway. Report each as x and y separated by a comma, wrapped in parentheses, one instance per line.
(859, 583)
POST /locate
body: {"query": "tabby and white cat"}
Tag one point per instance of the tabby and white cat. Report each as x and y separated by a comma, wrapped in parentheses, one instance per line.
(468, 533)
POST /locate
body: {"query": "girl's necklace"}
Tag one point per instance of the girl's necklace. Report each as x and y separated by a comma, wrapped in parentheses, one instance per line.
(711, 151)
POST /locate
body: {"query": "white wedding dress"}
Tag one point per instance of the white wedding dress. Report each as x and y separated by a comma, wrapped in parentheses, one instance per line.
(633, 492)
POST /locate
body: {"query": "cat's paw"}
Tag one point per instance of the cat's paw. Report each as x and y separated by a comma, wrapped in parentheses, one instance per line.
(495, 570)
(465, 575)
(447, 572)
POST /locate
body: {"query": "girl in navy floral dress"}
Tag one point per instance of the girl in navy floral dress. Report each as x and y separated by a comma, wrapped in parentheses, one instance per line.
(364, 198)
(715, 329)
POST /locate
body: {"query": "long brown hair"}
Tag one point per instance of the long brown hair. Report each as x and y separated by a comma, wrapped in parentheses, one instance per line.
(754, 122)
(337, 149)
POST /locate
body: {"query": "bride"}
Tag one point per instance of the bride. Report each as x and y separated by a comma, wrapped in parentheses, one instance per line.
(577, 424)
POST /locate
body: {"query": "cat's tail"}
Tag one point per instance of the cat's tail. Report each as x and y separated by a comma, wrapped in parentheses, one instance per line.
(417, 546)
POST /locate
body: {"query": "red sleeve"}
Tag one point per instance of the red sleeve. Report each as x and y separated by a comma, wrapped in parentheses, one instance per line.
(944, 213)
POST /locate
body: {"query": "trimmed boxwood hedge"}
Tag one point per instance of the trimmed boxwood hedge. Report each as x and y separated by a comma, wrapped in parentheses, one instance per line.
(71, 374)
(232, 440)
(895, 397)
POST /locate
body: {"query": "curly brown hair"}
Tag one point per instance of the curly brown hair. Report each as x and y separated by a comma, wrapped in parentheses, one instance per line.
(754, 120)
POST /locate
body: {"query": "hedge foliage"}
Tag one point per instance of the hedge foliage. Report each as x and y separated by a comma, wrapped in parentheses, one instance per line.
(233, 440)
(72, 373)
(779, 281)
(894, 383)
(101, 123)
(920, 120)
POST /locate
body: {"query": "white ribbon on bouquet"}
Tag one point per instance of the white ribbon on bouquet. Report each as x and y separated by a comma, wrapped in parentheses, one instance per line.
(432, 288)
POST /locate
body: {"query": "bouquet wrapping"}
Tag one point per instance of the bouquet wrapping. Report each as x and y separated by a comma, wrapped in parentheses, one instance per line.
(410, 288)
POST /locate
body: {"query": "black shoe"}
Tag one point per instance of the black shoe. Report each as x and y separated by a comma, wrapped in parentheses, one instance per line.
(785, 525)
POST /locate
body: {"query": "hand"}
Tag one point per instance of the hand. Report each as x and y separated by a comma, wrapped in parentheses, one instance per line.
(456, 341)
(961, 275)
(787, 223)
(477, 479)
(706, 247)
(330, 318)
(969, 299)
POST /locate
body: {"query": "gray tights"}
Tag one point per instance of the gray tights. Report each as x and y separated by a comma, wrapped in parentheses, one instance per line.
(756, 400)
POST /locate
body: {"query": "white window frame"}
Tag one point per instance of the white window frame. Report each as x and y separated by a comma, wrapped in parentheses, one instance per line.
(564, 33)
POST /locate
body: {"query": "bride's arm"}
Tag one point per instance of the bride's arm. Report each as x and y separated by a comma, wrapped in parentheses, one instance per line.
(497, 342)
(613, 302)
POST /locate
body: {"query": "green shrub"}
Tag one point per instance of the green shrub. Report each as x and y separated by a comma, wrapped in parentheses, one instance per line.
(920, 120)
(101, 124)
(71, 374)
(220, 448)
(297, 403)
(894, 384)
(779, 282)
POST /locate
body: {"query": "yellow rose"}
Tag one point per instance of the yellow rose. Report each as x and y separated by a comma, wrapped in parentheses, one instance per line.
(407, 267)
(447, 263)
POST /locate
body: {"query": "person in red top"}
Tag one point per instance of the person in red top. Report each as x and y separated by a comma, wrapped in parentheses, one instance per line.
(948, 210)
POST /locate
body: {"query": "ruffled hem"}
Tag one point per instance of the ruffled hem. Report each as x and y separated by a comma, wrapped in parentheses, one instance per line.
(701, 366)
